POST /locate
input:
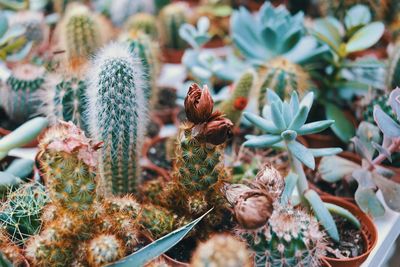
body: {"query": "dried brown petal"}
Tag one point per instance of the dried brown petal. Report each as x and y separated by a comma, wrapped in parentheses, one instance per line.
(217, 130)
(198, 104)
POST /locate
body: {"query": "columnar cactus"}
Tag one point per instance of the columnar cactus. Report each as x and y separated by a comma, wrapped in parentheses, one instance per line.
(117, 115)
(221, 250)
(237, 102)
(20, 214)
(63, 98)
(171, 18)
(142, 23)
(16, 96)
(81, 35)
(283, 77)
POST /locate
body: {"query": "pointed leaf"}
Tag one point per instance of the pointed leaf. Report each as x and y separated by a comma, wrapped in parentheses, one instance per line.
(342, 127)
(299, 119)
(390, 191)
(361, 149)
(261, 123)
(334, 168)
(262, 141)
(302, 154)
(307, 101)
(273, 97)
(290, 185)
(315, 127)
(365, 37)
(342, 212)
(277, 116)
(387, 125)
(321, 152)
(158, 247)
(294, 102)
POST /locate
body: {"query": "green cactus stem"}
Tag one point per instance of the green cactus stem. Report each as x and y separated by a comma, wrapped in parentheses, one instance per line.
(142, 23)
(171, 18)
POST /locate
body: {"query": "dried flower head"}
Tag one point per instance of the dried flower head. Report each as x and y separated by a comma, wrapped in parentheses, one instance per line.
(216, 131)
(198, 104)
(270, 179)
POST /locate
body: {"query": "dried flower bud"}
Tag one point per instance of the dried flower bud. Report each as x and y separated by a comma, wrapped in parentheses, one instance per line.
(269, 179)
(198, 104)
(217, 130)
(253, 209)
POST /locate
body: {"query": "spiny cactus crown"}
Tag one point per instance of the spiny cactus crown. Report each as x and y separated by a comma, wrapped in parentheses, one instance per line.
(104, 249)
(117, 112)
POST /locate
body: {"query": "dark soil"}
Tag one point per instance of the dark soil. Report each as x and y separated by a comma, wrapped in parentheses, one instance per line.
(5, 122)
(157, 154)
(352, 243)
(166, 98)
(183, 250)
(153, 129)
(149, 175)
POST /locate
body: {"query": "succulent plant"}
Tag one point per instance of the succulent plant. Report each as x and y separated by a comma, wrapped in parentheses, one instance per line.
(171, 18)
(344, 77)
(20, 214)
(17, 94)
(142, 23)
(371, 175)
(339, 8)
(34, 22)
(283, 121)
(237, 101)
(81, 35)
(221, 250)
(118, 115)
(63, 98)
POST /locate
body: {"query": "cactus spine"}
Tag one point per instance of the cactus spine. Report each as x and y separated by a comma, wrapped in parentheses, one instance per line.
(104, 249)
(142, 23)
(171, 18)
(81, 34)
(16, 96)
(233, 106)
(117, 115)
(283, 77)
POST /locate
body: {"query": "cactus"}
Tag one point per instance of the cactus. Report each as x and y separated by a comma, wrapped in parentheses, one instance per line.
(20, 214)
(117, 115)
(81, 34)
(63, 98)
(10, 251)
(121, 10)
(291, 238)
(381, 101)
(237, 102)
(221, 250)
(16, 96)
(104, 249)
(142, 23)
(283, 77)
(171, 18)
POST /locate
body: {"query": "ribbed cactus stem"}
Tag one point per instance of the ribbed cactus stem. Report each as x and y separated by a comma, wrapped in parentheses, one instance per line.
(117, 115)
(171, 18)
(237, 102)
(82, 35)
(283, 77)
(142, 23)
(17, 96)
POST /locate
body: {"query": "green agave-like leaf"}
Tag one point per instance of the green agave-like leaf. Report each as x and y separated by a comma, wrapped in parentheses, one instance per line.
(277, 116)
(262, 141)
(22, 135)
(3, 24)
(321, 152)
(390, 191)
(315, 127)
(343, 213)
(334, 168)
(387, 125)
(342, 127)
(322, 213)
(365, 37)
(290, 185)
(158, 247)
(302, 153)
(357, 15)
(262, 124)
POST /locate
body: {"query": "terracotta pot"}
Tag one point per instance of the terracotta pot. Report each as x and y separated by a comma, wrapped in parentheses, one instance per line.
(368, 229)
(170, 55)
(34, 143)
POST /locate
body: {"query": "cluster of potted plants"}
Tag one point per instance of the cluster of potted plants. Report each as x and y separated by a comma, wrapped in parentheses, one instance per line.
(285, 128)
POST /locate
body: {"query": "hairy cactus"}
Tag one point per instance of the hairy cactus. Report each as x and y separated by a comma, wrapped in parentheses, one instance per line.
(81, 34)
(237, 102)
(283, 77)
(171, 18)
(291, 238)
(221, 250)
(104, 249)
(117, 115)
(16, 96)
(63, 98)
(142, 23)
(68, 163)
(20, 214)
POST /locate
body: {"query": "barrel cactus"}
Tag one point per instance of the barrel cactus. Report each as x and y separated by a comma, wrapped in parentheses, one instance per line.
(17, 95)
(142, 23)
(104, 249)
(117, 112)
(171, 18)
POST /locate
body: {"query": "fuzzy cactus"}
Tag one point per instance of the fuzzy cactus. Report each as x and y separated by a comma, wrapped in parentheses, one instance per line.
(142, 23)
(104, 249)
(118, 115)
(63, 98)
(81, 35)
(237, 102)
(171, 18)
(221, 250)
(283, 77)
(20, 213)
(16, 96)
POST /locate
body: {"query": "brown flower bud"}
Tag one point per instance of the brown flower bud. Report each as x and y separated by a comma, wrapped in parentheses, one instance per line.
(198, 104)
(217, 130)
(253, 209)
